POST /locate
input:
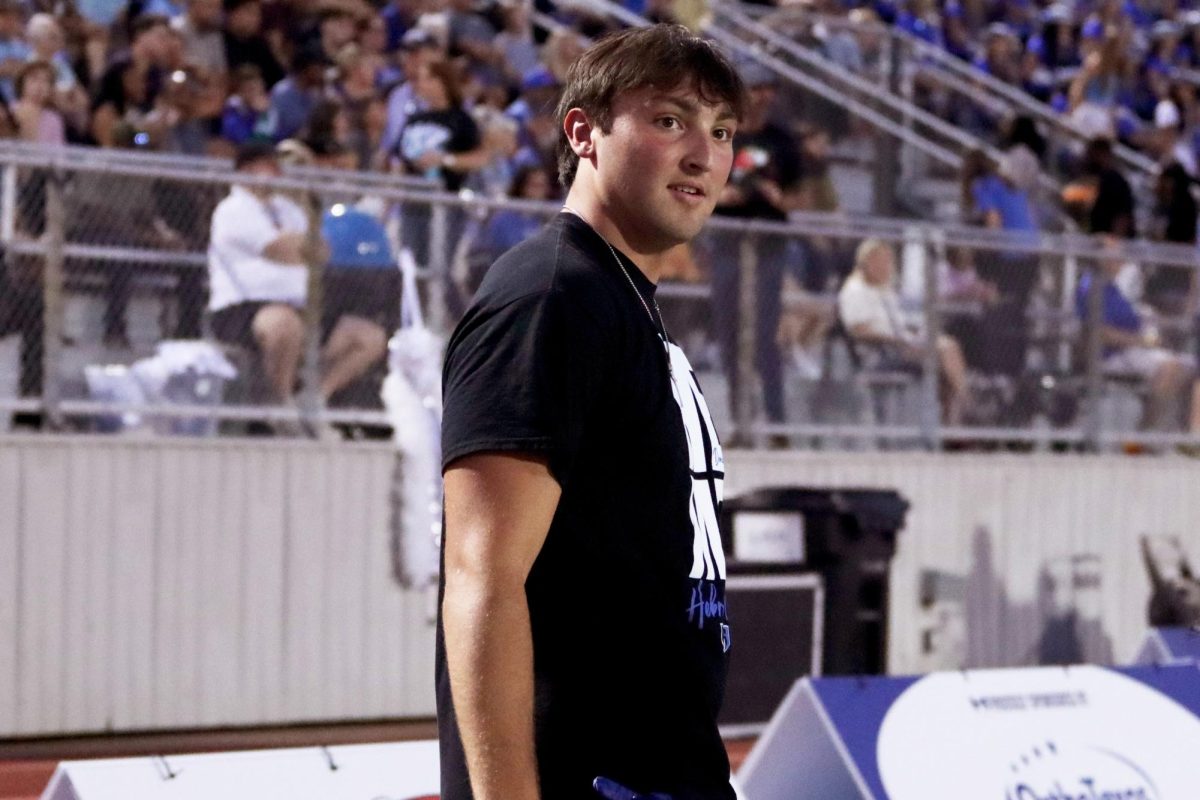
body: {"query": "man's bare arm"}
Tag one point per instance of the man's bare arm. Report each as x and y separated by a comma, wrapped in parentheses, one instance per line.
(498, 512)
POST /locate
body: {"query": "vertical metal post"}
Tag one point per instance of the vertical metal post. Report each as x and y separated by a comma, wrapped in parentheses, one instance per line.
(887, 156)
(930, 362)
(1093, 353)
(439, 315)
(743, 399)
(311, 399)
(8, 203)
(53, 310)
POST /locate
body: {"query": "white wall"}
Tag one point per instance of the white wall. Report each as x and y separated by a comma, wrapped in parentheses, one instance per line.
(157, 583)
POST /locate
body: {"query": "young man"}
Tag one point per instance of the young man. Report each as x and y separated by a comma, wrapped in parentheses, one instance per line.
(583, 632)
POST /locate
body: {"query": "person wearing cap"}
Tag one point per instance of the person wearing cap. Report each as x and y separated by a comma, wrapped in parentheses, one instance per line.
(418, 49)
(1167, 143)
(245, 43)
(764, 184)
(294, 98)
(258, 282)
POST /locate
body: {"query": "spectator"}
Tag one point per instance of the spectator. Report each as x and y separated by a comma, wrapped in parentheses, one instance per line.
(533, 110)
(37, 118)
(327, 136)
(294, 98)
(1172, 289)
(45, 37)
(870, 310)
(1131, 347)
(203, 41)
(337, 27)
(1002, 204)
(763, 184)
(122, 106)
(1112, 209)
(441, 142)
(14, 50)
(354, 90)
(515, 42)
(247, 113)
(399, 18)
(1168, 145)
(468, 33)
(258, 285)
(507, 228)
(372, 38)
(499, 135)
(418, 48)
(245, 43)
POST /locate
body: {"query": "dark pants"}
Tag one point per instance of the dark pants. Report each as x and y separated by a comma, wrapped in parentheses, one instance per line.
(1007, 322)
(21, 312)
(416, 233)
(724, 256)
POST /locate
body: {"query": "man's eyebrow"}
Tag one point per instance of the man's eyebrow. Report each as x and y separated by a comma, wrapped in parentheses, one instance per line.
(692, 107)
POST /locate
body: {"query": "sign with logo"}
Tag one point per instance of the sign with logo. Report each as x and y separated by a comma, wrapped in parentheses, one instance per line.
(1078, 733)
(399, 771)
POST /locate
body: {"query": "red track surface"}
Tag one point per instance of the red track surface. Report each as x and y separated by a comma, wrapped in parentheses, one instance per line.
(26, 767)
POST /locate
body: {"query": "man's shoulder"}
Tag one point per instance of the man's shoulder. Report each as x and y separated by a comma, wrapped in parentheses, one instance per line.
(558, 261)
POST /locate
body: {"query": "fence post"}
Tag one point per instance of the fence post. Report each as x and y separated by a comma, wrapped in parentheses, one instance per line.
(743, 397)
(315, 255)
(439, 315)
(930, 360)
(52, 299)
(8, 203)
(1093, 353)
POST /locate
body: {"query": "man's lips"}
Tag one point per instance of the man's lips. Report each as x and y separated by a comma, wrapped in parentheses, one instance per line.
(689, 189)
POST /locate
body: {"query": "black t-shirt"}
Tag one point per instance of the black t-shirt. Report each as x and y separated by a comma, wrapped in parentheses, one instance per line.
(769, 154)
(112, 87)
(254, 50)
(1114, 202)
(557, 356)
(449, 130)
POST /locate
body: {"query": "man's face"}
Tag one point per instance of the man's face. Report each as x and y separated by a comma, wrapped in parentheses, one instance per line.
(880, 267)
(205, 14)
(663, 163)
(245, 20)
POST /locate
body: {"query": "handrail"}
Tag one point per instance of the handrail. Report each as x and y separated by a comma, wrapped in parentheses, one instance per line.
(793, 75)
(967, 141)
(963, 71)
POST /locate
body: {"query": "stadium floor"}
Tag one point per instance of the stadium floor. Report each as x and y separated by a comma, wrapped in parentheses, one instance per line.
(26, 766)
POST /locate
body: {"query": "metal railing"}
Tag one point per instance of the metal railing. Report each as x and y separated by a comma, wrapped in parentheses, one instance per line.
(759, 316)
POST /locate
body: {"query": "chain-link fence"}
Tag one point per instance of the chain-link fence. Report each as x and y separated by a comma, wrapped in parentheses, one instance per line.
(117, 312)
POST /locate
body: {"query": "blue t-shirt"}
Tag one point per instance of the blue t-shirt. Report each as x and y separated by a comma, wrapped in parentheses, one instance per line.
(992, 193)
(1118, 312)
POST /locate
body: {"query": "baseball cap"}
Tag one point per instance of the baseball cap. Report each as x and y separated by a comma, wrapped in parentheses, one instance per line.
(1166, 115)
(416, 38)
(253, 151)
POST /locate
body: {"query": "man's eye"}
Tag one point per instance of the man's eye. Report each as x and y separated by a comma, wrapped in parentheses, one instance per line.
(668, 122)
(723, 134)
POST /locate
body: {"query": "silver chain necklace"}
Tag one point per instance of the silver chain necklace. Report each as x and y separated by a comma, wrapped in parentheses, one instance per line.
(657, 324)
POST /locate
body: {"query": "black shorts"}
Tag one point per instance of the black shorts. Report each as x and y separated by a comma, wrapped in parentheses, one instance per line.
(370, 294)
(373, 295)
(235, 324)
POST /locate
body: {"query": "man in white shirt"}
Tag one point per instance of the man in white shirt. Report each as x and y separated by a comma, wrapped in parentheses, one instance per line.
(870, 310)
(258, 285)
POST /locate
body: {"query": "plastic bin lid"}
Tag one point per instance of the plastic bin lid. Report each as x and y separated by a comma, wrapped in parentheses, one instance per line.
(875, 509)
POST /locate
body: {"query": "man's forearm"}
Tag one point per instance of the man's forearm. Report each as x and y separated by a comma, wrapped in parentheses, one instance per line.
(489, 652)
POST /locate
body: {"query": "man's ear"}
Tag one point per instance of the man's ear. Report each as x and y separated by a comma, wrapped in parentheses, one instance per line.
(579, 131)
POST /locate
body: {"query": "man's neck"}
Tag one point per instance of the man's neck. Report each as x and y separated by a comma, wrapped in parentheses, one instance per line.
(650, 259)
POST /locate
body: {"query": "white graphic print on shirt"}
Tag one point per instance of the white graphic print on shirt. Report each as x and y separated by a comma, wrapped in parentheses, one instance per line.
(707, 465)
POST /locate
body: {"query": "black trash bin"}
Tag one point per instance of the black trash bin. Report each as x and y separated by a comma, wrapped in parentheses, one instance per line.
(847, 537)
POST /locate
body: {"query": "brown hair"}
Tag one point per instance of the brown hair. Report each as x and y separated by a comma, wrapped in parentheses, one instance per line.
(447, 75)
(28, 69)
(660, 56)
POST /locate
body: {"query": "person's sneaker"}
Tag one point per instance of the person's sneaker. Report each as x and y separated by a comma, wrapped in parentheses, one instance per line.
(807, 365)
